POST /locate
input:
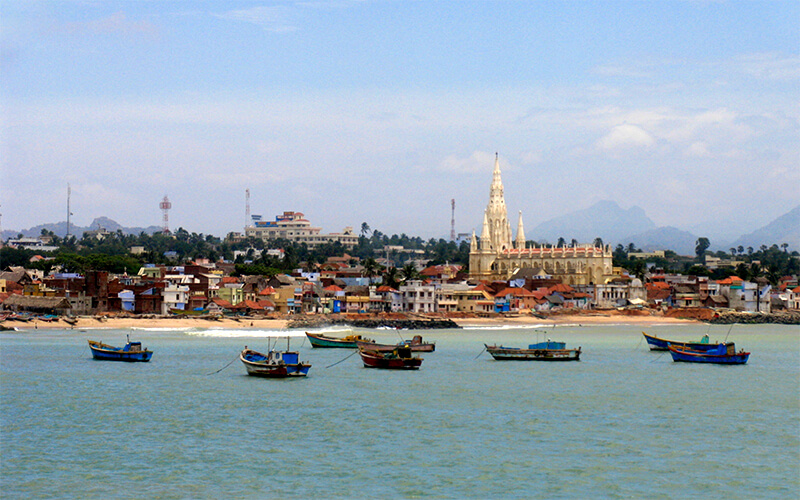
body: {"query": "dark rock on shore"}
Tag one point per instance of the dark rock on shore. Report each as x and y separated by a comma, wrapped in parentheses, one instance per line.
(781, 318)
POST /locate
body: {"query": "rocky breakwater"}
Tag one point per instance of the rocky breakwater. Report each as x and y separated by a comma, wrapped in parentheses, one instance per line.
(361, 321)
(782, 318)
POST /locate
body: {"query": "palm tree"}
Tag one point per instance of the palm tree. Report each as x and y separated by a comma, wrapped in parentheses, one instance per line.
(370, 267)
(598, 242)
(409, 272)
(733, 252)
(390, 277)
(364, 228)
(784, 246)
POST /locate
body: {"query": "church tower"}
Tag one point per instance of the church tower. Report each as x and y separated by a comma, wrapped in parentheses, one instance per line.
(497, 214)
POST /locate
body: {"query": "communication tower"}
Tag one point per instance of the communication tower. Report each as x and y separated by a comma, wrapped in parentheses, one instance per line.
(247, 221)
(165, 205)
(453, 219)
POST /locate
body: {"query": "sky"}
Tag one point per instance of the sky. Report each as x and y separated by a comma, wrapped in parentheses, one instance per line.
(382, 111)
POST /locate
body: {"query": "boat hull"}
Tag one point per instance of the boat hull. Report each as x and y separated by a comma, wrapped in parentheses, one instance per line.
(377, 359)
(104, 352)
(501, 353)
(267, 366)
(659, 344)
(324, 341)
(688, 356)
(371, 346)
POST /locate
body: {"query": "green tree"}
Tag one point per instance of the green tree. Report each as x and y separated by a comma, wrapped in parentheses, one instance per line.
(701, 245)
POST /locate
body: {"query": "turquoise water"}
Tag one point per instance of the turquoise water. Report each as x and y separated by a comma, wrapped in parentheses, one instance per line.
(621, 423)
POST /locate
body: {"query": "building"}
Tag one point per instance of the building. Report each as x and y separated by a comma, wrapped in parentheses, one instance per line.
(495, 256)
(293, 226)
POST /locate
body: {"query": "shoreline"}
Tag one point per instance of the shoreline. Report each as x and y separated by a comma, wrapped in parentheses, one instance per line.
(85, 322)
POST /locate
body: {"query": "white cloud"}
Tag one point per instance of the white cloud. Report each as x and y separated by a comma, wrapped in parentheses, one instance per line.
(698, 149)
(479, 161)
(771, 66)
(626, 136)
(276, 19)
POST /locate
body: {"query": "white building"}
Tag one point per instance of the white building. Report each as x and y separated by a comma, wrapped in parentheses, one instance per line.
(293, 226)
(174, 296)
(418, 297)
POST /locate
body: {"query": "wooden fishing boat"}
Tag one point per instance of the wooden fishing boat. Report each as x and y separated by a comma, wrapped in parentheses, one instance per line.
(659, 344)
(542, 351)
(415, 344)
(725, 354)
(274, 364)
(348, 341)
(132, 351)
(400, 358)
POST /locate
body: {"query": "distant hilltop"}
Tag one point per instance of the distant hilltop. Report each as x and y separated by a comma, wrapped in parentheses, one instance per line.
(60, 229)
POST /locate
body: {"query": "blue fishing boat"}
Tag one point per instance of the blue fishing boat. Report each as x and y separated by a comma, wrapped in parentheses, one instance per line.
(659, 344)
(132, 351)
(274, 364)
(724, 354)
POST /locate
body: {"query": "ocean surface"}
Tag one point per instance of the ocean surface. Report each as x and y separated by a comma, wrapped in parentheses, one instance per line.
(623, 422)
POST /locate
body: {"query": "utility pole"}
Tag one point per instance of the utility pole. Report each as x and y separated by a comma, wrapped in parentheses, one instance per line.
(69, 193)
(453, 219)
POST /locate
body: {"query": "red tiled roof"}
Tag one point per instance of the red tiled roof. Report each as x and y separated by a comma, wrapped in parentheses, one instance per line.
(247, 304)
(221, 302)
(385, 289)
(332, 288)
(561, 287)
(267, 291)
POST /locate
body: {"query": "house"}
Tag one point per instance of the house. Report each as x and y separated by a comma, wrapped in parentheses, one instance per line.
(38, 305)
(478, 299)
(418, 297)
(217, 306)
(175, 296)
(390, 300)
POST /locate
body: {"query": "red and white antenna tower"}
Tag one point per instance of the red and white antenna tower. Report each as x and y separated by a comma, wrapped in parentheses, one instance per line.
(453, 219)
(247, 221)
(165, 205)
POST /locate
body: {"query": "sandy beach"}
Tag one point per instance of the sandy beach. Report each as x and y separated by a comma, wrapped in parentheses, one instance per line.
(84, 322)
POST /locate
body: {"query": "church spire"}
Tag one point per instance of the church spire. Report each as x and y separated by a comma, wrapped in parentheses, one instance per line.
(520, 233)
(499, 227)
(486, 236)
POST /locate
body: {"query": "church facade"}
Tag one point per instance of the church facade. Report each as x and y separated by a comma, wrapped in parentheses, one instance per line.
(496, 256)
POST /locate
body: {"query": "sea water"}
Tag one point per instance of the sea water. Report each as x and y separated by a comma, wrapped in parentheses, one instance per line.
(623, 422)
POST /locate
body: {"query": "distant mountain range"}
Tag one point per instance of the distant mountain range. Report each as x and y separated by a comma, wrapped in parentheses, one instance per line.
(605, 219)
(784, 229)
(615, 225)
(60, 229)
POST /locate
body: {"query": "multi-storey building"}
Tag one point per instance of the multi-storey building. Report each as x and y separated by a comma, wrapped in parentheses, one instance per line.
(293, 226)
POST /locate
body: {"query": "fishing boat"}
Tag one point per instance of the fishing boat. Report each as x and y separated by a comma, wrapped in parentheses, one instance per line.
(348, 341)
(400, 358)
(274, 364)
(132, 351)
(415, 344)
(659, 344)
(541, 351)
(724, 354)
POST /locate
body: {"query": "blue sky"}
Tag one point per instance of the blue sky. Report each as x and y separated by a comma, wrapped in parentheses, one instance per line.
(382, 111)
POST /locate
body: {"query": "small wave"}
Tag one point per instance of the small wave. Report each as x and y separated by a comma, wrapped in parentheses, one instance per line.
(241, 333)
(507, 327)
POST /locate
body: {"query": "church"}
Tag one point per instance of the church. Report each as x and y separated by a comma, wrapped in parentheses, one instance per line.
(496, 256)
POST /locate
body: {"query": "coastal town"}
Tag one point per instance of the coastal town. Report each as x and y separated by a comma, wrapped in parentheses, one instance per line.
(504, 278)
